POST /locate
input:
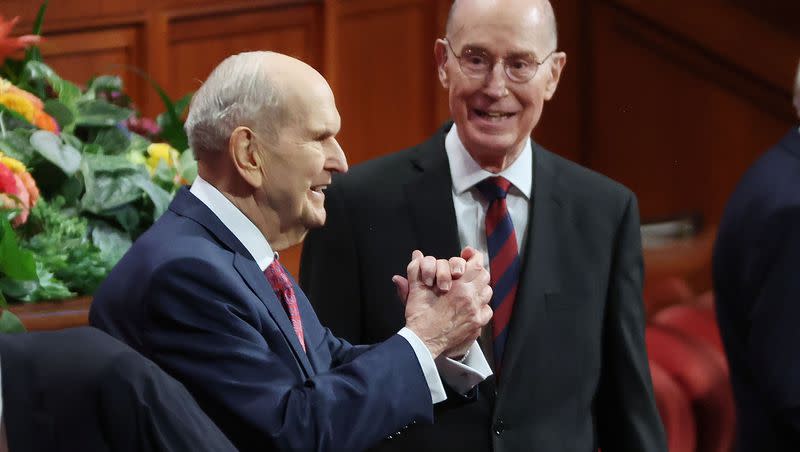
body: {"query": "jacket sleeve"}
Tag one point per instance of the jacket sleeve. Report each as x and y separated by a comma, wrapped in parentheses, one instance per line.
(202, 328)
(627, 414)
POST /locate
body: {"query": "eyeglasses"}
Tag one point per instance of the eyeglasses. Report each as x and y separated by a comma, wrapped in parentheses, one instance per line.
(477, 63)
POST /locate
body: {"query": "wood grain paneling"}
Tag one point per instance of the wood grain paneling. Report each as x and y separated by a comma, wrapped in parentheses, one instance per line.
(197, 43)
(79, 56)
(385, 75)
(670, 120)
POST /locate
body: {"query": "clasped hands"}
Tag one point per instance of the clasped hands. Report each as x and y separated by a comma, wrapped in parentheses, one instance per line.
(447, 300)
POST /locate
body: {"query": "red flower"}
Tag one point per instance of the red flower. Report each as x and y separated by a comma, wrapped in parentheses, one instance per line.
(8, 182)
(8, 44)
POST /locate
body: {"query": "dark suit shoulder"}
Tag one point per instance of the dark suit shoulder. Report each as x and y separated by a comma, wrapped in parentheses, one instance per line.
(590, 189)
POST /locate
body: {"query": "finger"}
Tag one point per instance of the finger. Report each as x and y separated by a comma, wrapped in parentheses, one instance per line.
(428, 270)
(468, 252)
(485, 314)
(443, 278)
(416, 255)
(412, 271)
(401, 285)
(485, 295)
(457, 267)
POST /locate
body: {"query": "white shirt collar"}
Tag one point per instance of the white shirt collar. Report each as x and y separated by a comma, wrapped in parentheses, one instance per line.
(466, 172)
(235, 221)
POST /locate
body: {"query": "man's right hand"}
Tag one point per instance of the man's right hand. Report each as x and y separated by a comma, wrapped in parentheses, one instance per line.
(444, 320)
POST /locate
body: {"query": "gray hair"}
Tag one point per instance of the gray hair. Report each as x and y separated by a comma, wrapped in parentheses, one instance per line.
(797, 91)
(238, 92)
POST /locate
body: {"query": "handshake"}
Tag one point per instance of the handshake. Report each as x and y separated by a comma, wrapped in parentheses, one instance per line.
(447, 300)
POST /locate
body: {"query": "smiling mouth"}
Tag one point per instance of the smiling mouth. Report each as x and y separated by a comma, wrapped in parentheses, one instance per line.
(319, 188)
(492, 115)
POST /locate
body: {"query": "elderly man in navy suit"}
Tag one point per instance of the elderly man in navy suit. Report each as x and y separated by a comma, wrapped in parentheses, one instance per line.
(203, 295)
(756, 272)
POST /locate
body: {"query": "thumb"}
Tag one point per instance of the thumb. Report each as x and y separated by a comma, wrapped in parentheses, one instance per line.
(401, 285)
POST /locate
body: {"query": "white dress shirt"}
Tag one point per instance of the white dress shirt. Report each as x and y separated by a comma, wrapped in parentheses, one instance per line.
(471, 206)
(461, 376)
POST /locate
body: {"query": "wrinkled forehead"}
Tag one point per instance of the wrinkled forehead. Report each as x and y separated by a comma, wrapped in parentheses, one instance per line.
(311, 103)
(503, 26)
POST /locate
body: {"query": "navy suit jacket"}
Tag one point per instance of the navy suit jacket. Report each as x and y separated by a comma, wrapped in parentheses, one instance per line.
(756, 272)
(190, 296)
(82, 390)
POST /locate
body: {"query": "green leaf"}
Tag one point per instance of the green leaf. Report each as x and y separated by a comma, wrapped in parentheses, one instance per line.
(104, 83)
(113, 140)
(187, 166)
(60, 112)
(50, 146)
(44, 287)
(10, 120)
(15, 262)
(68, 93)
(72, 140)
(17, 144)
(33, 53)
(157, 195)
(112, 242)
(111, 181)
(10, 323)
(99, 113)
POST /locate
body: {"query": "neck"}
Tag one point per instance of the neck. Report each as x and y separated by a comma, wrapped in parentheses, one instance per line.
(496, 163)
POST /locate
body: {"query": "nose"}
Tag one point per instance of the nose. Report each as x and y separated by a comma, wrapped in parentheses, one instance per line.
(495, 83)
(336, 161)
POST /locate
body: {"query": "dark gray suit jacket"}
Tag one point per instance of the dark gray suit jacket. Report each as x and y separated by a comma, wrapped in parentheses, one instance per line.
(575, 373)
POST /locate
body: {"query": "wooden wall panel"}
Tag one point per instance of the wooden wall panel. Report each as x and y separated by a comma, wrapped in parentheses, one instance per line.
(197, 43)
(79, 56)
(672, 121)
(385, 75)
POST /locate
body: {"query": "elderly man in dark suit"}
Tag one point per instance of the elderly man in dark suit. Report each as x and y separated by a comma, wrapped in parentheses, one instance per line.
(203, 294)
(756, 273)
(81, 390)
(567, 336)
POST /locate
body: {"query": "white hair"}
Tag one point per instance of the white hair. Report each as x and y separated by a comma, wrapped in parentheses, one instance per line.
(238, 92)
(797, 91)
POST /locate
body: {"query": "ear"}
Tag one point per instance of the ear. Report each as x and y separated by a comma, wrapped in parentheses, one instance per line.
(245, 156)
(440, 53)
(557, 62)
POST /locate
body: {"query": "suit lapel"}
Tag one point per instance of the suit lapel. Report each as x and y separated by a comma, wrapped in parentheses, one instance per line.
(430, 199)
(186, 204)
(539, 275)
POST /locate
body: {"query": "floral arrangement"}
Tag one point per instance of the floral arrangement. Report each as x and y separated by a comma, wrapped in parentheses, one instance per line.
(82, 174)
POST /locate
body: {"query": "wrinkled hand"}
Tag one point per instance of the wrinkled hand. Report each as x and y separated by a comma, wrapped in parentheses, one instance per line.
(446, 320)
(434, 273)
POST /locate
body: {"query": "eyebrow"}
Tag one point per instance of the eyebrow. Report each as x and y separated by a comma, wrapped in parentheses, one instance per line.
(518, 54)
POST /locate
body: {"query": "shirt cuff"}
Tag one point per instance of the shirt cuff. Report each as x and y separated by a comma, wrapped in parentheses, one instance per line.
(427, 364)
(464, 375)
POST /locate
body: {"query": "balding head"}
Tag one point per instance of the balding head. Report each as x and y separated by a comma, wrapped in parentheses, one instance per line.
(541, 12)
(248, 89)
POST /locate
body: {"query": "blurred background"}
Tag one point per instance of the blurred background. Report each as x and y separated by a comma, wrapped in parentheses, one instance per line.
(673, 99)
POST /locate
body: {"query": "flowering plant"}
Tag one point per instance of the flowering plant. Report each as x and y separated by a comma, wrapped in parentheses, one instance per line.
(82, 173)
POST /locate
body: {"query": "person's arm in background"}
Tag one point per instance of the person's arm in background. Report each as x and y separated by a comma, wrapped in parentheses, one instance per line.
(627, 414)
(771, 350)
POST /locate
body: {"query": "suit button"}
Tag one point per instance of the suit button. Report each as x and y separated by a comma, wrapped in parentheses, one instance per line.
(499, 427)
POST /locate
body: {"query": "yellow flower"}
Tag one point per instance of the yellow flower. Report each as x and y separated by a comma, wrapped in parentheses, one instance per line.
(20, 104)
(159, 152)
(13, 164)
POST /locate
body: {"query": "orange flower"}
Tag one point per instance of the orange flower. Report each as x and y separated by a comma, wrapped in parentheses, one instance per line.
(17, 181)
(8, 44)
(46, 122)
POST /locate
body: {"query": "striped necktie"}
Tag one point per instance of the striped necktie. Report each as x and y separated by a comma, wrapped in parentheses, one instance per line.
(504, 262)
(283, 288)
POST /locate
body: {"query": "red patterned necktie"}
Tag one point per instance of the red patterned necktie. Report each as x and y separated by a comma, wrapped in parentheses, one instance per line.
(283, 288)
(504, 262)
